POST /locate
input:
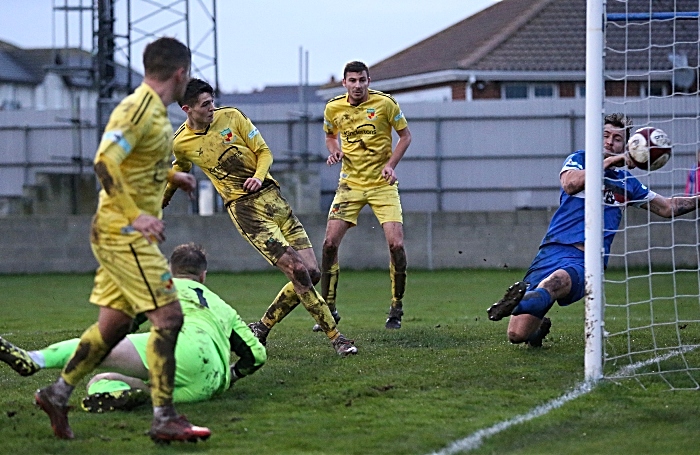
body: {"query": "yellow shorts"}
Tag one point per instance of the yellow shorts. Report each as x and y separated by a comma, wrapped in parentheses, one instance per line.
(266, 221)
(133, 277)
(384, 202)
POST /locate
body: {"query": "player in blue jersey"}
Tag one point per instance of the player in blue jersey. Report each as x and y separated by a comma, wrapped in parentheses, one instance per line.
(557, 272)
(212, 329)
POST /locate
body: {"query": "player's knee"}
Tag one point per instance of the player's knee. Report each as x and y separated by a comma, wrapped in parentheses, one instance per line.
(330, 247)
(516, 337)
(301, 276)
(170, 321)
(174, 323)
(396, 246)
(315, 275)
(398, 255)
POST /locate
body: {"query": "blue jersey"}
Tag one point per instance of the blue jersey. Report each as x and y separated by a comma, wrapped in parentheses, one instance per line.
(620, 189)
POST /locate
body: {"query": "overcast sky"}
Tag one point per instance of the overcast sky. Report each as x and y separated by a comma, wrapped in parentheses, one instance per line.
(259, 41)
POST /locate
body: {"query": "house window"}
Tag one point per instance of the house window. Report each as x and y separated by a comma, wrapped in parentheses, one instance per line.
(581, 90)
(658, 89)
(515, 91)
(544, 91)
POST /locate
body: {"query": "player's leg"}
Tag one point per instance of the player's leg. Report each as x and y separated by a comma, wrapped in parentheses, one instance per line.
(268, 223)
(145, 282)
(293, 267)
(166, 322)
(19, 359)
(556, 274)
(94, 345)
(253, 220)
(397, 270)
(287, 299)
(123, 357)
(330, 267)
(113, 391)
(547, 261)
(167, 425)
(386, 205)
(529, 316)
(342, 215)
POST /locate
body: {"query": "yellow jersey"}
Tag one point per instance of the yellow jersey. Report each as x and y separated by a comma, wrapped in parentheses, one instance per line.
(229, 151)
(132, 162)
(365, 135)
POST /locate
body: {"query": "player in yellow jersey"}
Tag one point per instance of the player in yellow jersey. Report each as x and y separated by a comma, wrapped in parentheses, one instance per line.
(133, 277)
(229, 149)
(363, 119)
(212, 329)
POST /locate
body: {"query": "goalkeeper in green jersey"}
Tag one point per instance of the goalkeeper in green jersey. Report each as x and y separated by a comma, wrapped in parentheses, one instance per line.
(211, 331)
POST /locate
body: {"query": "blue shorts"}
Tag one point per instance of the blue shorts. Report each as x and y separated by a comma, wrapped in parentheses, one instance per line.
(553, 257)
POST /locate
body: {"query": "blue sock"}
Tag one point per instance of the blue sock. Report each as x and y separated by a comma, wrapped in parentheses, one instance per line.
(536, 302)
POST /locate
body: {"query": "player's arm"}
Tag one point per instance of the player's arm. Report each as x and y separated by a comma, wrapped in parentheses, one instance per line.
(335, 153)
(388, 172)
(668, 207)
(114, 148)
(255, 142)
(573, 181)
(179, 177)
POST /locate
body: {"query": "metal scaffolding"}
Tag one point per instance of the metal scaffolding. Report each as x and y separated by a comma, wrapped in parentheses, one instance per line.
(119, 31)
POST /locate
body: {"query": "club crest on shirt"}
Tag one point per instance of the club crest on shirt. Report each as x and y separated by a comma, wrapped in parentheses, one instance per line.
(371, 114)
(227, 135)
(168, 285)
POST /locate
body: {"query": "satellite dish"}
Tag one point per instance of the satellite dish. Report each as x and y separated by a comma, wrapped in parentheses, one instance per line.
(683, 75)
(683, 78)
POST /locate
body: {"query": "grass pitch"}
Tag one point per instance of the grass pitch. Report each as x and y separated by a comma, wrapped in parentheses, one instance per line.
(449, 372)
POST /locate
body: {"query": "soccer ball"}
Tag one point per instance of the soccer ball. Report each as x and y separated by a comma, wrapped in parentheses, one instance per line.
(649, 148)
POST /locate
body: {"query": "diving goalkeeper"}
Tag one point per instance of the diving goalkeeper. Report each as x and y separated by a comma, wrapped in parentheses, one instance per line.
(211, 331)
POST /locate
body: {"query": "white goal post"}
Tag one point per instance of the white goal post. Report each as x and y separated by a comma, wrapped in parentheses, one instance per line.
(643, 314)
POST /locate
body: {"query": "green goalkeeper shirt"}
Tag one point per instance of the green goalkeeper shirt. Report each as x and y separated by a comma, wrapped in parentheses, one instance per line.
(205, 310)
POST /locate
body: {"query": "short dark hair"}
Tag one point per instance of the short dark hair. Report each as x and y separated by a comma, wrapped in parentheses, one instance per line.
(620, 120)
(164, 56)
(188, 259)
(195, 87)
(355, 67)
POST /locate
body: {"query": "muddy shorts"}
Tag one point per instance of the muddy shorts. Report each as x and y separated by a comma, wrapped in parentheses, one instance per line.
(266, 221)
(133, 276)
(384, 202)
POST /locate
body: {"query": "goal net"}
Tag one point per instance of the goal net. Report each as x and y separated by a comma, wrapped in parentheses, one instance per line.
(651, 298)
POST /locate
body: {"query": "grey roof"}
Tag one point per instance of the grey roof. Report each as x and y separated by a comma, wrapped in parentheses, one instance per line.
(75, 65)
(546, 36)
(11, 71)
(272, 94)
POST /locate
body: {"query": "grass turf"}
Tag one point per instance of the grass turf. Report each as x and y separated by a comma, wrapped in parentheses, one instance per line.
(446, 374)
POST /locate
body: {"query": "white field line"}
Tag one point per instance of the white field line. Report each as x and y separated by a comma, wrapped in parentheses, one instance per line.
(475, 439)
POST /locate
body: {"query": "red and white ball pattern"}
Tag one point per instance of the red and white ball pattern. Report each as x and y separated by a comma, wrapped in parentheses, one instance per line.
(649, 148)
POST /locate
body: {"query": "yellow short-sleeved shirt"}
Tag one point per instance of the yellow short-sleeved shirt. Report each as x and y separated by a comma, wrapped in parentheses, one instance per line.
(229, 151)
(132, 162)
(138, 138)
(365, 136)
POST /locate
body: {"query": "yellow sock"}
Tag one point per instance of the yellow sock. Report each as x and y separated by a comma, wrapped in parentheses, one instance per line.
(160, 356)
(329, 285)
(87, 356)
(398, 285)
(286, 300)
(314, 304)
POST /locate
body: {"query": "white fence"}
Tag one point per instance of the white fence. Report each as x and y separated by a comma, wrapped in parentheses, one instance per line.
(465, 156)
